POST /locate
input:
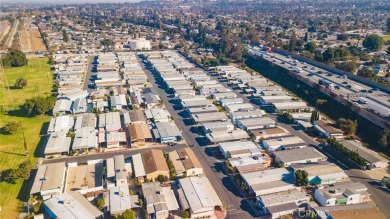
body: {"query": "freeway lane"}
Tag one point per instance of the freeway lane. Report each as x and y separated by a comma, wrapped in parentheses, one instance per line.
(237, 207)
(356, 87)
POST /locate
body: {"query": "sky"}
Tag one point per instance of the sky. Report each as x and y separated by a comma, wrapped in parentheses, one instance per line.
(67, 1)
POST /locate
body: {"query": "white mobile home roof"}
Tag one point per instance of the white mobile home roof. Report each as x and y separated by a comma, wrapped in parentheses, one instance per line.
(49, 177)
(239, 106)
(199, 192)
(57, 143)
(85, 138)
(224, 136)
(208, 117)
(110, 167)
(298, 155)
(246, 114)
(228, 101)
(138, 165)
(61, 123)
(236, 146)
(167, 129)
(196, 103)
(266, 176)
(72, 205)
(119, 199)
(110, 121)
(290, 105)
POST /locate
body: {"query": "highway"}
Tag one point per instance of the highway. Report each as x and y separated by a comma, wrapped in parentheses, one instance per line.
(237, 206)
(344, 86)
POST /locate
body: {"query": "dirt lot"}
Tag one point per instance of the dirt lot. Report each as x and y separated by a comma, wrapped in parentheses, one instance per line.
(31, 39)
(37, 41)
(24, 39)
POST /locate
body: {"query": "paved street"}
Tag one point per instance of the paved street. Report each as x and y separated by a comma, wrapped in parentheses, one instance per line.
(90, 72)
(237, 206)
(127, 153)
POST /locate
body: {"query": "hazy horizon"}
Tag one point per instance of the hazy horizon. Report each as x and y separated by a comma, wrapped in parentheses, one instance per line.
(68, 1)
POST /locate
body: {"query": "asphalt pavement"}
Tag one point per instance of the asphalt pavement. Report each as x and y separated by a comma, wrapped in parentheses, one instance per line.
(90, 72)
(126, 152)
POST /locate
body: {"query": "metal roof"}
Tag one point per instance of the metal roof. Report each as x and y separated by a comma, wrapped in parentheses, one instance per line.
(119, 199)
(167, 129)
(199, 193)
(57, 143)
(138, 165)
(85, 138)
(72, 205)
(49, 177)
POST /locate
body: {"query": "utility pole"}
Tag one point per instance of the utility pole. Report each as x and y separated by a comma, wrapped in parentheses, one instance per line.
(47, 75)
(5, 81)
(24, 140)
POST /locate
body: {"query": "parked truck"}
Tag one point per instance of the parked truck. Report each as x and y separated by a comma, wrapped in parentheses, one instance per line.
(381, 109)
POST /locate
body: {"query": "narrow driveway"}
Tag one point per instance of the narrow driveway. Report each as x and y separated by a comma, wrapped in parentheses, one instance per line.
(90, 72)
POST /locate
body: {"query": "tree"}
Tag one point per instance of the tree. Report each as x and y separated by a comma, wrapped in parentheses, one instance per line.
(23, 171)
(320, 102)
(39, 105)
(15, 58)
(106, 43)
(311, 47)
(11, 127)
(388, 25)
(184, 214)
(366, 72)
(306, 37)
(373, 42)
(20, 83)
(383, 141)
(343, 37)
(301, 178)
(349, 66)
(160, 178)
(348, 126)
(312, 29)
(101, 203)
(315, 116)
(65, 37)
(128, 214)
(141, 202)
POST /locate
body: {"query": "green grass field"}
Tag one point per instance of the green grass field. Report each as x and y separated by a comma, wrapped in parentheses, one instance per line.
(386, 37)
(12, 152)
